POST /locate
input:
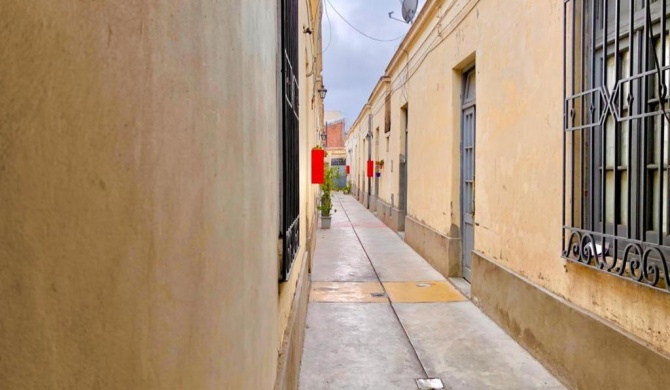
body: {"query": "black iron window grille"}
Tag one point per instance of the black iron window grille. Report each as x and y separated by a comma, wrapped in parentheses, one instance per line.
(290, 186)
(615, 139)
(338, 161)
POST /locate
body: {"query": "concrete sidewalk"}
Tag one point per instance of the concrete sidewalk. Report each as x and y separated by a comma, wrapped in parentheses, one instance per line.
(380, 317)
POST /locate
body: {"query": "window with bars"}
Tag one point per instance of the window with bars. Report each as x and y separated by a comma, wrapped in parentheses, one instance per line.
(290, 187)
(616, 145)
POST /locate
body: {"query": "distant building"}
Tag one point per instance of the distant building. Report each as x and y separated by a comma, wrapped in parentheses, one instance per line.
(333, 127)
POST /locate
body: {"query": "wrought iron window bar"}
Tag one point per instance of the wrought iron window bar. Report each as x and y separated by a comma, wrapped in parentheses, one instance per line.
(615, 140)
(290, 183)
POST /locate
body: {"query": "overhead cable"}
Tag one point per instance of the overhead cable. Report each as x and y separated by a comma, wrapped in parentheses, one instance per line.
(359, 31)
(330, 27)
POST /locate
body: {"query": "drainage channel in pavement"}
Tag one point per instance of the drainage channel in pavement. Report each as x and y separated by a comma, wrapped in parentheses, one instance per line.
(381, 317)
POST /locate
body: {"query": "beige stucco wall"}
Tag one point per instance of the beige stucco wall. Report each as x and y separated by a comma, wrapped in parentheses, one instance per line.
(334, 153)
(527, 237)
(423, 79)
(396, 137)
(357, 168)
(139, 216)
(356, 138)
(379, 138)
(517, 50)
(311, 114)
(350, 145)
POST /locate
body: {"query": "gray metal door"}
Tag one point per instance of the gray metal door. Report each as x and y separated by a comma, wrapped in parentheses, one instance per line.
(403, 175)
(341, 164)
(342, 178)
(404, 147)
(468, 132)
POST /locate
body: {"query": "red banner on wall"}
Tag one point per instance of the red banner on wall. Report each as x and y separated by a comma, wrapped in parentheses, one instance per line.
(371, 168)
(317, 165)
(348, 170)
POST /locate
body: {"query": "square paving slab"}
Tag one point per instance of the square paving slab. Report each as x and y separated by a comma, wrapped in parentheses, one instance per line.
(347, 292)
(401, 269)
(340, 257)
(354, 346)
(421, 292)
(460, 345)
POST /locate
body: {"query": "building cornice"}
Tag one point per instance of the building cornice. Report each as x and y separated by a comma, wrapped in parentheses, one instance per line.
(422, 21)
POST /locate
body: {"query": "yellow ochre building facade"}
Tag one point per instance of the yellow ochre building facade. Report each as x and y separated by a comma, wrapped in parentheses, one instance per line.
(479, 131)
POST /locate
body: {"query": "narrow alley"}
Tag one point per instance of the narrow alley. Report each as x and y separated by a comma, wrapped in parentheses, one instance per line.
(335, 194)
(380, 317)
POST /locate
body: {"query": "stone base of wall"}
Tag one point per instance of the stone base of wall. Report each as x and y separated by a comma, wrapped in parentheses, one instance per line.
(311, 237)
(582, 350)
(373, 203)
(290, 355)
(363, 198)
(442, 252)
(391, 216)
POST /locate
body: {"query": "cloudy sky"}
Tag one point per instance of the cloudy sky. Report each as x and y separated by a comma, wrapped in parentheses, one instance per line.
(352, 62)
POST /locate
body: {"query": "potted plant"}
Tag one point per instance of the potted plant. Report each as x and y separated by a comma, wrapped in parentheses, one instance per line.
(347, 188)
(326, 204)
(379, 165)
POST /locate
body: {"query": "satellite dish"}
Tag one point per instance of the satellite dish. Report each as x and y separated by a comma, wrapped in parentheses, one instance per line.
(409, 9)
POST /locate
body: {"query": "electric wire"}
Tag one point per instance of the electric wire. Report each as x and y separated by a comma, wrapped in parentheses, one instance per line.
(416, 67)
(359, 31)
(431, 47)
(330, 27)
(409, 74)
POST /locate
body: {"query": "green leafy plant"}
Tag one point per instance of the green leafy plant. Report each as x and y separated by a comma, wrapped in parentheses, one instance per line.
(318, 147)
(347, 188)
(379, 165)
(327, 187)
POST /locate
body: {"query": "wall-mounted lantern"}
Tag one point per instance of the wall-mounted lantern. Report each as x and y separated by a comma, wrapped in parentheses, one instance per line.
(322, 92)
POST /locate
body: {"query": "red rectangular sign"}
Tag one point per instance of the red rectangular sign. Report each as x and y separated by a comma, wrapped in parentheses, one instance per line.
(348, 170)
(371, 168)
(317, 165)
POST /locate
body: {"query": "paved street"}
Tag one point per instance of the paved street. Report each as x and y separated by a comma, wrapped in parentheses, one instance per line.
(380, 317)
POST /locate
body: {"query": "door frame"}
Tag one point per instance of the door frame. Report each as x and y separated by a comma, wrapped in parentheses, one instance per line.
(466, 105)
(403, 173)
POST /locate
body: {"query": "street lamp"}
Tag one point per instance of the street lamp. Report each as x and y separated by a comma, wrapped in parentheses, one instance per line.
(322, 92)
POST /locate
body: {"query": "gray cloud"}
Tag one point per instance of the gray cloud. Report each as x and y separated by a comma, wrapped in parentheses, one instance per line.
(352, 62)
